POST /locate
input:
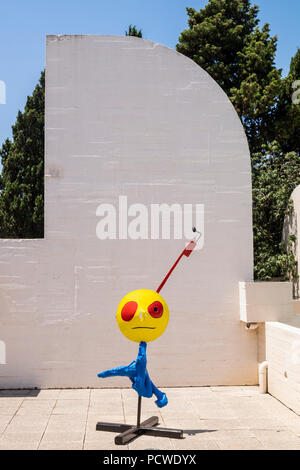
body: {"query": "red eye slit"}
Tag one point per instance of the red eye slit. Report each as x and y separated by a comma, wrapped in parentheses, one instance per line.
(129, 310)
(156, 309)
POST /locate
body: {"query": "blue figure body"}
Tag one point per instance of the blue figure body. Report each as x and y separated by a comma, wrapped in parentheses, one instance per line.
(138, 374)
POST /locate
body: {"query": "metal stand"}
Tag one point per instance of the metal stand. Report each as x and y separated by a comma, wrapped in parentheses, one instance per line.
(130, 432)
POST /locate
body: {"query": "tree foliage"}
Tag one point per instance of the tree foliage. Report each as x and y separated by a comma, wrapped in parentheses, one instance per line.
(275, 174)
(133, 31)
(226, 40)
(22, 178)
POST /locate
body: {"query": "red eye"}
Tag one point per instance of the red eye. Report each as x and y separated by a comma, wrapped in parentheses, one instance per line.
(156, 309)
(128, 311)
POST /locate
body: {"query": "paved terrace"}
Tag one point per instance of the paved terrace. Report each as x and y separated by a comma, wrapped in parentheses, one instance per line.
(212, 418)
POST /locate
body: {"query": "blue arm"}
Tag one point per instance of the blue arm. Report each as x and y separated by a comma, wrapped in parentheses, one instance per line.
(123, 371)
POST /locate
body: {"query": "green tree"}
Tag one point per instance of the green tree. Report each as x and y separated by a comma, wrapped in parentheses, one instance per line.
(22, 178)
(224, 38)
(275, 174)
(133, 31)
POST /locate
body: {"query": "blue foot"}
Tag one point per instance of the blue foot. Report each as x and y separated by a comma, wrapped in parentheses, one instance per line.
(163, 401)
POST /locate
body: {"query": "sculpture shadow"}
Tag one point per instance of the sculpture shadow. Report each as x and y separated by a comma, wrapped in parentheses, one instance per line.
(193, 432)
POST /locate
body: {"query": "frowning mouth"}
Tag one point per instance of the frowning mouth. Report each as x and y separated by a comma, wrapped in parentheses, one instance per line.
(143, 327)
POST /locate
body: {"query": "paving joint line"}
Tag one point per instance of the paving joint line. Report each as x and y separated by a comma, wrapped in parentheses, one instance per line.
(2, 434)
(40, 441)
(86, 422)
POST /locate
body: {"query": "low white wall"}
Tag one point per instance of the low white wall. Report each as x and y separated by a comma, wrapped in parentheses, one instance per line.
(266, 301)
(282, 343)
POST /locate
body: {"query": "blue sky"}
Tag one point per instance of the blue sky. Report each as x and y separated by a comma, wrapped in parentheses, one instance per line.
(24, 25)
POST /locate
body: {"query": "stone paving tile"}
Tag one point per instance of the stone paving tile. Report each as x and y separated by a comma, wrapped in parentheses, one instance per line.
(20, 441)
(235, 391)
(211, 418)
(250, 443)
(109, 410)
(65, 425)
(32, 407)
(105, 395)
(265, 422)
(23, 425)
(14, 445)
(220, 424)
(278, 439)
(4, 419)
(10, 400)
(78, 394)
(63, 436)
(69, 418)
(295, 427)
(195, 444)
(61, 445)
(3, 425)
(214, 412)
(103, 444)
(94, 418)
(9, 409)
(71, 406)
(233, 434)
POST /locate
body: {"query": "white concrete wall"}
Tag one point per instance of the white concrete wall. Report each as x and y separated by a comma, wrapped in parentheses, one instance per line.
(125, 116)
(282, 343)
(266, 301)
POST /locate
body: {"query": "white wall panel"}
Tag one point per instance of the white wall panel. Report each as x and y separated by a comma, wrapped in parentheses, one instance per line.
(125, 116)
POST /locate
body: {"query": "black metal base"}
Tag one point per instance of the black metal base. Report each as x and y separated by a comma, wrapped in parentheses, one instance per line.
(129, 432)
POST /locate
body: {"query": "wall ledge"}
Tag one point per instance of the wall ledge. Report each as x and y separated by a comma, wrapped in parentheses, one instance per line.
(261, 302)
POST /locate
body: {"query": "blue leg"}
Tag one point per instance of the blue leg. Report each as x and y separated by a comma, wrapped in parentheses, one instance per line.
(161, 397)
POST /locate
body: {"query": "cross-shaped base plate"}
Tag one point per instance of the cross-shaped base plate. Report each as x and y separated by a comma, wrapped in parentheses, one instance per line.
(129, 432)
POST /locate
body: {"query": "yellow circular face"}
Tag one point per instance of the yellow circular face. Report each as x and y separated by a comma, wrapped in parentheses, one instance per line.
(142, 315)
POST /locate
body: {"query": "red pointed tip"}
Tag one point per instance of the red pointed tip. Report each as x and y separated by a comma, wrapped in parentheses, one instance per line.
(189, 248)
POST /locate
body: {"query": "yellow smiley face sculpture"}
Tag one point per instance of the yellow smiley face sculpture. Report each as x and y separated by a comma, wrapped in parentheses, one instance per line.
(142, 315)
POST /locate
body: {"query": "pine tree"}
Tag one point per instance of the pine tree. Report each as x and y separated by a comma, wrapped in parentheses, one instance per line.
(133, 31)
(224, 38)
(22, 178)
